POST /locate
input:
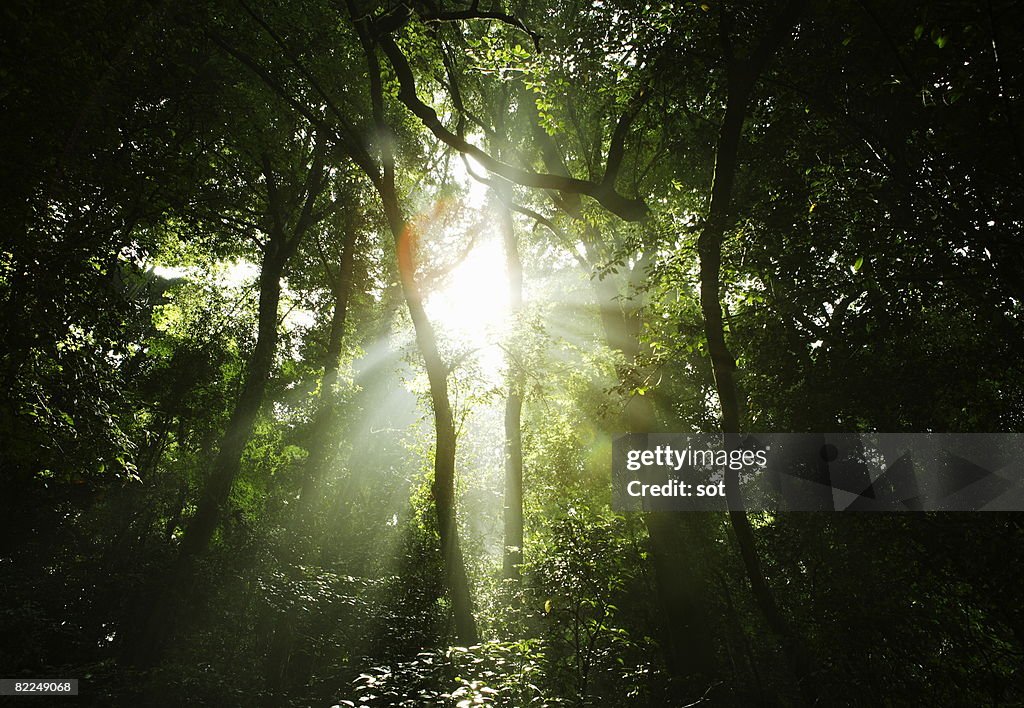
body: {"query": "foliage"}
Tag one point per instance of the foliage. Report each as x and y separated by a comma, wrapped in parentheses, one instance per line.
(871, 280)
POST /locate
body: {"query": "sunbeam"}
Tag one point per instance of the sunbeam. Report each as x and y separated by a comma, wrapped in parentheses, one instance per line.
(471, 304)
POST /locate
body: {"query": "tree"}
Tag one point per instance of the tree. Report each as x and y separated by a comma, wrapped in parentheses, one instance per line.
(239, 411)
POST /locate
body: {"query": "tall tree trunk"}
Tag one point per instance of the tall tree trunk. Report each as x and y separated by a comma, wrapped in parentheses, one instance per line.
(159, 623)
(443, 487)
(742, 76)
(240, 426)
(326, 410)
(146, 647)
(513, 504)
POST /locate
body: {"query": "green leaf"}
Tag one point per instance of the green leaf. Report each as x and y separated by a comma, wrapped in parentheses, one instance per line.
(941, 41)
(919, 32)
(857, 264)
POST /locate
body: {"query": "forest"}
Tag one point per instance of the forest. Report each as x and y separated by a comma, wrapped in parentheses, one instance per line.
(318, 321)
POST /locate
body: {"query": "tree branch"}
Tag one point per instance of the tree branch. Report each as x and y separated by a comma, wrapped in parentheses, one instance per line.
(273, 195)
(624, 207)
(351, 145)
(312, 188)
(474, 13)
(617, 148)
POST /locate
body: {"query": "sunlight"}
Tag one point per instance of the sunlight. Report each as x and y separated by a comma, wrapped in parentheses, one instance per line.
(236, 273)
(475, 191)
(471, 305)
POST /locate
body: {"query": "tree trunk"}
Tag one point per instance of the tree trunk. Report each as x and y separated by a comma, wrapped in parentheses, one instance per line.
(742, 75)
(229, 458)
(326, 411)
(146, 648)
(443, 487)
(513, 504)
(723, 365)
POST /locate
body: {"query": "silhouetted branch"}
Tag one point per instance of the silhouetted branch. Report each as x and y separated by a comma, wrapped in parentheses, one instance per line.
(624, 207)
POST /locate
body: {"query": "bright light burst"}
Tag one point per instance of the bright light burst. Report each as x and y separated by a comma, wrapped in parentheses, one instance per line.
(472, 305)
